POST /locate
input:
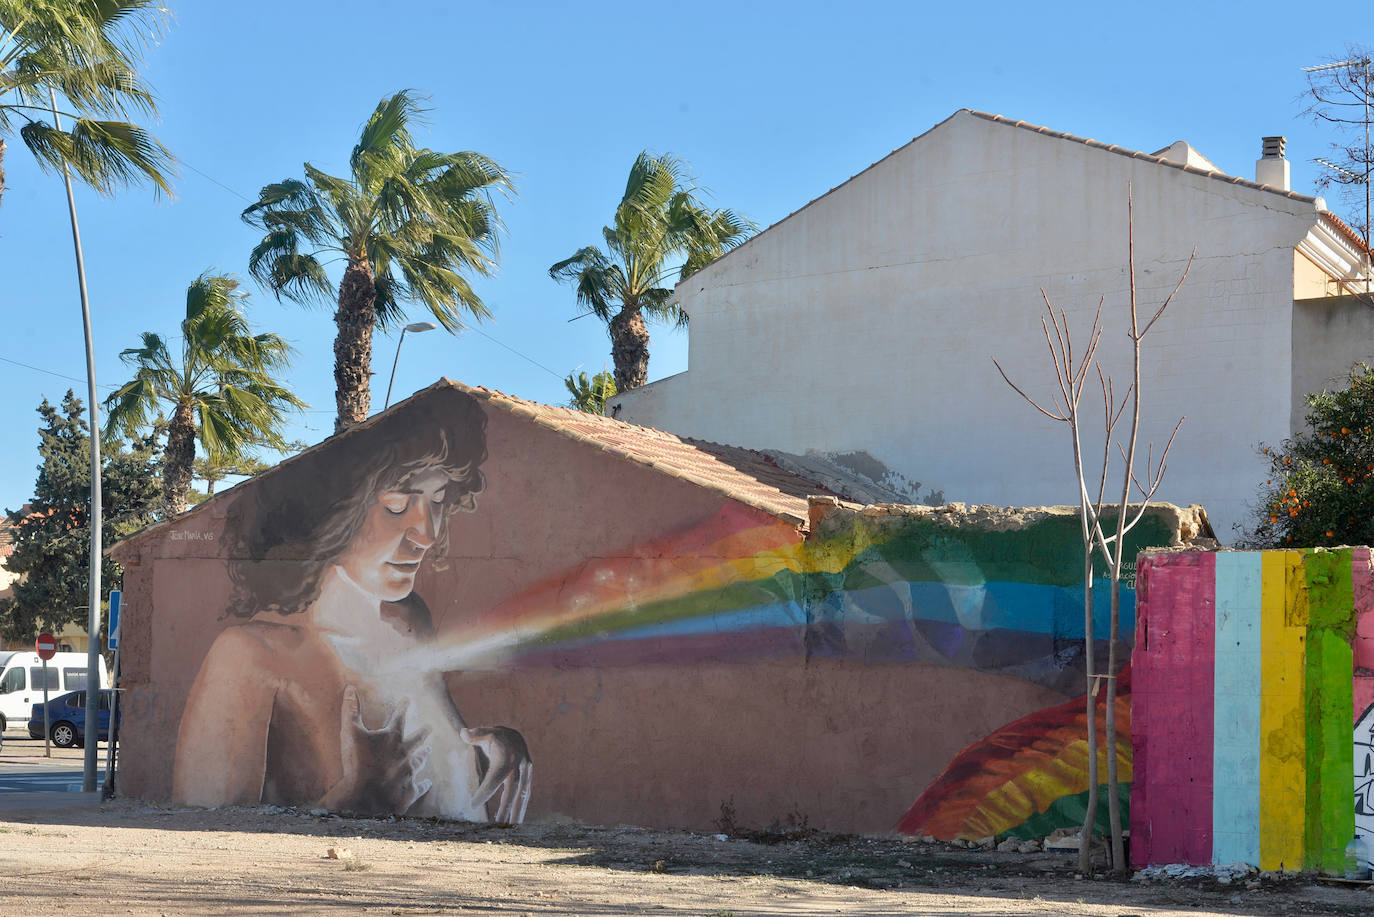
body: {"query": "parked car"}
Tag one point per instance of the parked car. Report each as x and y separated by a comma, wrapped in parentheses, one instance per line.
(21, 681)
(67, 716)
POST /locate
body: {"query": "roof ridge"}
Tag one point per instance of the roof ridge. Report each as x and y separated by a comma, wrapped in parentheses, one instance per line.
(544, 416)
(1139, 154)
(1025, 125)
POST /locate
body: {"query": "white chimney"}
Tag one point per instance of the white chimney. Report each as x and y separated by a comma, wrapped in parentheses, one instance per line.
(1271, 168)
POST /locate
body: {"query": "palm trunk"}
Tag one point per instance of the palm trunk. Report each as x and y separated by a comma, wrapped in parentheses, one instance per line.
(353, 344)
(177, 460)
(629, 349)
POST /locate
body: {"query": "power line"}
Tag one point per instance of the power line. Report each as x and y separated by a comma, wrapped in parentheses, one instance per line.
(51, 372)
(216, 181)
(516, 352)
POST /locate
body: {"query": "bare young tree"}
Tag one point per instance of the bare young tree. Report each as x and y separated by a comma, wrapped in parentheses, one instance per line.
(1072, 376)
(1339, 94)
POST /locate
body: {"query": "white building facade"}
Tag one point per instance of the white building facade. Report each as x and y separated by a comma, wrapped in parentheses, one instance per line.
(867, 322)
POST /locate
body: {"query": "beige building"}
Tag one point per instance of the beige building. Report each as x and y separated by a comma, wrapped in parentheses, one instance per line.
(863, 326)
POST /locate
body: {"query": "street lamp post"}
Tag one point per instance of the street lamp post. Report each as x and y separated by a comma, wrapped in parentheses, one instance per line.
(93, 409)
(415, 328)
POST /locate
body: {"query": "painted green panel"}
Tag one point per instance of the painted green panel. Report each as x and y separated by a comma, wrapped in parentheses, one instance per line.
(1330, 819)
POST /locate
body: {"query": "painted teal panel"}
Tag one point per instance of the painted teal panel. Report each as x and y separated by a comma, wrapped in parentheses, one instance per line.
(1236, 713)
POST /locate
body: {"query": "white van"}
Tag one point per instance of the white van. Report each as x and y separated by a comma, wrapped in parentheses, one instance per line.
(21, 682)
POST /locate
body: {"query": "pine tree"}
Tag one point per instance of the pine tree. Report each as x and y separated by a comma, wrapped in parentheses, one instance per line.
(52, 534)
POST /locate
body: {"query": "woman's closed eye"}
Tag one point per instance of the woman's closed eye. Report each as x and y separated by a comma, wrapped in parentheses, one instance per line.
(395, 503)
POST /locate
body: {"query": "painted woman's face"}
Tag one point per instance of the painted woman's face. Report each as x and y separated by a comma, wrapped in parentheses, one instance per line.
(400, 526)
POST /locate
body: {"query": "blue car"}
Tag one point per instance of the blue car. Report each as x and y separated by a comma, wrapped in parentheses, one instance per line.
(67, 716)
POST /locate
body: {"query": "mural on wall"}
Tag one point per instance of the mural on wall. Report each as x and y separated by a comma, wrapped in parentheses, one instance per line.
(897, 590)
(1249, 669)
(332, 685)
(1027, 778)
(877, 591)
(299, 701)
(1364, 774)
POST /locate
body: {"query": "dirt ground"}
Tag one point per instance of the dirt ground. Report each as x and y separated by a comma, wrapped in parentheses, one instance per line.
(125, 857)
(64, 853)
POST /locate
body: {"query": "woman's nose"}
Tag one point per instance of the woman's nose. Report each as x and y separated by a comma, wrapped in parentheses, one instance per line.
(421, 524)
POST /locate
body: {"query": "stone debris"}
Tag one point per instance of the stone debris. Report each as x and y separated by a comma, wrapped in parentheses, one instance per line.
(339, 853)
(1224, 875)
(1065, 841)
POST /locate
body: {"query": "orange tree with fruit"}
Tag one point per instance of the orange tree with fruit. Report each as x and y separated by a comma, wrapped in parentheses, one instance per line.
(1320, 487)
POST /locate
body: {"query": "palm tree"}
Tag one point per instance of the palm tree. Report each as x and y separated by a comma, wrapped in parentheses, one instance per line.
(222, 391)
(85, 51)
(658, 220)
(590, 395)
(408, 222)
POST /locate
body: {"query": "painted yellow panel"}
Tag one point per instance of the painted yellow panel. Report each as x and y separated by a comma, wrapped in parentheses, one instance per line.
(1283, 731)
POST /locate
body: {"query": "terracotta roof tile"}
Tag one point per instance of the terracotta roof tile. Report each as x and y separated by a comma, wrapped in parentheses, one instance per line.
(749, 477)
(1345, 230)
(742, 474)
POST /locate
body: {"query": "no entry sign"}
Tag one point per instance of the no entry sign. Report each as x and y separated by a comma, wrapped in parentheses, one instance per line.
(47, 645)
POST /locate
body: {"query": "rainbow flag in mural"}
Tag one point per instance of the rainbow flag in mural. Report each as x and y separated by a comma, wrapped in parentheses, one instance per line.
(1249, 669)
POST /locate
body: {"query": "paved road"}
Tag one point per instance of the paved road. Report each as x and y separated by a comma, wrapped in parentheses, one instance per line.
(25, 769)
(44, 780)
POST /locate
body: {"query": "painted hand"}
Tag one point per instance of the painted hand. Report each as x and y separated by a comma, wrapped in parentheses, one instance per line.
(380, 766)
(509, 770)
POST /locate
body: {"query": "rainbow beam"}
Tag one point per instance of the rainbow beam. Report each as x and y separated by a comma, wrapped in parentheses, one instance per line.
(1245, 690)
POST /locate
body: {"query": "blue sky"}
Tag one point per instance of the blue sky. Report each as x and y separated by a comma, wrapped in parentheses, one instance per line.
(772, 104)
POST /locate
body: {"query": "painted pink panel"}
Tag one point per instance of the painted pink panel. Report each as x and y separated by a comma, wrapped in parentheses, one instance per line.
(1362, 579)
(1363, 582)
(1173, 666)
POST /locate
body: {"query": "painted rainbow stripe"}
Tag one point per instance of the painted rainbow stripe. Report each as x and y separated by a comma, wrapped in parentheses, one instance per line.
(1027, 778)
(1245, 691)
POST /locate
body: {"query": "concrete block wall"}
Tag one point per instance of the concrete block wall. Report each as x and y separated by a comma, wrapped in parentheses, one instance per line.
(1249, 668)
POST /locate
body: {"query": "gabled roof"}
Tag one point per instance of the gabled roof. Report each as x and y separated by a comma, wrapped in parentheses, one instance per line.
(750, 477)
(743, 475)
(1161, 157)
(1137, 154)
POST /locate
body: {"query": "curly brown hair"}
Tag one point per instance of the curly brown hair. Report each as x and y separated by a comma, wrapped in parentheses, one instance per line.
(299, 518)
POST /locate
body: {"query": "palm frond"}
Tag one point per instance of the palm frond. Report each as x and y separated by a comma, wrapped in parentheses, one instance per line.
(336, 190)
(106, 155)
(278, 264)
(385, 130)
(599, 281)
(132, 407)
(86, 51)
